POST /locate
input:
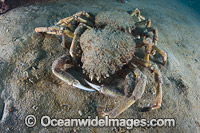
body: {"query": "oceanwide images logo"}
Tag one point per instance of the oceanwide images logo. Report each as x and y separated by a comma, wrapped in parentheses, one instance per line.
(47, 121)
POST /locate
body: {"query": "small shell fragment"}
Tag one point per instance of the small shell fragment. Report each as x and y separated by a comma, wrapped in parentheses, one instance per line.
(80, 113)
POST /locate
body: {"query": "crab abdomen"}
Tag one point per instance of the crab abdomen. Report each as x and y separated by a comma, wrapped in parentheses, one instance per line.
(105, 52)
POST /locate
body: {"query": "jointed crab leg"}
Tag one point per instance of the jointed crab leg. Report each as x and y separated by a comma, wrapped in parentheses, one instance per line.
(155, 32)
(106, 90)
(137, 13)
(153, 48)
(68, 24)
(65, 21)
(148, 43)
(146, 23)
(55, 30)
(85, 21)
(158, 81)
(137, 94)
(161, 52)
(84, 13)
(127, 101)
(74, 46)
(59, 68)
(78, 17)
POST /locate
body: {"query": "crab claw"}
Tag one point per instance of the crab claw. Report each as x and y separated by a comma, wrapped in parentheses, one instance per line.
(105, 90)
(80, 86)
(73, 82)
(96, 87)
(59, 68)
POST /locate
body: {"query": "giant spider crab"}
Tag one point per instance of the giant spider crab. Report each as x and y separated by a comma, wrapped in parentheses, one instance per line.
(108, 42)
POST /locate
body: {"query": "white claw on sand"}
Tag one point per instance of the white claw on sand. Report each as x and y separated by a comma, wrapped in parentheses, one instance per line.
(96, 87)
(83, 87)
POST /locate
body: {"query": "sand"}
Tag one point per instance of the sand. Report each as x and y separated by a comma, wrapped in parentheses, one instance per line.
(27, 85)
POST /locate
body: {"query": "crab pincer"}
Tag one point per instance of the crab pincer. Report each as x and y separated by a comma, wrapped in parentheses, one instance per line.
(59, 68)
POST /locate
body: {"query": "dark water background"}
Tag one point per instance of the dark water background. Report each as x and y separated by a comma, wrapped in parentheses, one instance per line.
(194, 4)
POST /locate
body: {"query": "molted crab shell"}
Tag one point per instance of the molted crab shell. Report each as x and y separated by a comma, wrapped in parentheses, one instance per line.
(105, 52)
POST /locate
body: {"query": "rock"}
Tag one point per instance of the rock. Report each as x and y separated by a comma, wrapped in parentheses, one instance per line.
(3, 66)
(173, 62)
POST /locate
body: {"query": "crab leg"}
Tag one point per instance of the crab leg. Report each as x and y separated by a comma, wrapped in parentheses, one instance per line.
(158, 80)
(147, 50)
(77, 16)
(140, 43)
(85, 21)
(74, 46)
(84, 13)
(155, 32)
(69, 25)
(65, 21)
(127, 101)
(137, 13)
(146, 23)
(151, 47)
(59, 68)
(106, 90)
(148, 43)
(161, 52)
(137, 94)
(155, 37)
(55, 30)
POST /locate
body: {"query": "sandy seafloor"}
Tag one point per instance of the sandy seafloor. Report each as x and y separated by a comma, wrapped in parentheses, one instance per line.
(27, 85)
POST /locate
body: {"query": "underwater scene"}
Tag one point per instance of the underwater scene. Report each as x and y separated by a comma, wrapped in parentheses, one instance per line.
(122, 66)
